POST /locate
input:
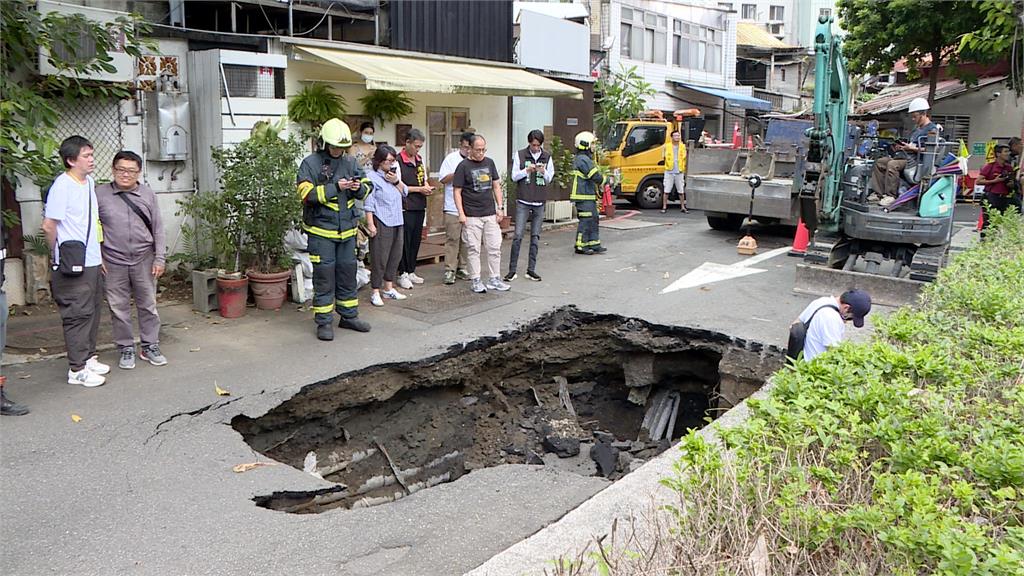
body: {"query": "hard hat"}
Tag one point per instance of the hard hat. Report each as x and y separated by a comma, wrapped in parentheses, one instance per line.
(918, 105)
(336, 133)
(584, 140)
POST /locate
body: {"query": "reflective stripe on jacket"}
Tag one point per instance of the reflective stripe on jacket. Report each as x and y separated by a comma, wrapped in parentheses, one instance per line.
(585, 178)
(327, 211)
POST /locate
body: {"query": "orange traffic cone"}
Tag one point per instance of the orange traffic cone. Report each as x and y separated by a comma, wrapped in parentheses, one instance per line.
(801, 240)
(607, 203)
(737, 138)
(981, 220)
(750, 142)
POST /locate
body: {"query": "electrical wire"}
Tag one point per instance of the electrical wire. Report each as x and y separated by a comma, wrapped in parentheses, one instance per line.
(317, 25)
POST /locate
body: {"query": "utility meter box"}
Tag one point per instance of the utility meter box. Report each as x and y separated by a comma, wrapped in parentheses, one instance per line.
(167, 126)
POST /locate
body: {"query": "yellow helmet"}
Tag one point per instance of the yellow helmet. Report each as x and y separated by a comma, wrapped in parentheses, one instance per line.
(336, 133)
(584, 140)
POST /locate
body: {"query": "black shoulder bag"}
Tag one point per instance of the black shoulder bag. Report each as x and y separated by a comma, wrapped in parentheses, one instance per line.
(798, 333)
(71, 253)
(135, 208)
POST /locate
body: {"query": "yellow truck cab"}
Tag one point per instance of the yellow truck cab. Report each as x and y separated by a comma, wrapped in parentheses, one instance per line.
(634, 152)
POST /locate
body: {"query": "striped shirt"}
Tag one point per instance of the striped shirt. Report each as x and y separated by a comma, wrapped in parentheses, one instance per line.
(385, 200)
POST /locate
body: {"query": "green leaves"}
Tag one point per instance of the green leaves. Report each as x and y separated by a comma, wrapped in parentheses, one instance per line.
(623, 96)
(315, 104)
(386, 105)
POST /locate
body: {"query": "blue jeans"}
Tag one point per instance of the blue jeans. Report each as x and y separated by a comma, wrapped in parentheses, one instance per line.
(535, 214)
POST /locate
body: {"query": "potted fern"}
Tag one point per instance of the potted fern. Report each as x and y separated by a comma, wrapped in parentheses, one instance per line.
(386, 106)
(315, 104)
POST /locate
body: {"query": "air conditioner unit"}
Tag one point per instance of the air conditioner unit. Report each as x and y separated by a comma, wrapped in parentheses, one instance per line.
(123, 63)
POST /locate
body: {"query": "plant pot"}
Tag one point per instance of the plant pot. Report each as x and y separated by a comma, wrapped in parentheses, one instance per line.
(269, 290)
(231, 296)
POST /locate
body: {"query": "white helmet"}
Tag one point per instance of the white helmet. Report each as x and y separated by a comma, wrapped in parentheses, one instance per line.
(584, 140)
(918, 105)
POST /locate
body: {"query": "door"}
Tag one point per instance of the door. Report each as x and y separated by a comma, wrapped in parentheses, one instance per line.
(642, 154)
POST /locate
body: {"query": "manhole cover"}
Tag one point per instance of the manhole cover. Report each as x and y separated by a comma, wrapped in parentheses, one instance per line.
(592, 394)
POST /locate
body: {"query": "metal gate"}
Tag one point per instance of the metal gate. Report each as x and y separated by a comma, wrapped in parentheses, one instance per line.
(99, 121)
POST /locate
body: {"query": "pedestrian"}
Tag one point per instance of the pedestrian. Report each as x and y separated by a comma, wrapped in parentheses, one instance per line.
(674, 155)
(413, 174)
(586, 178)
(363, 150)
(72, 229)
(478, 199)
(8, 407)
(1015, 163)
(329, 183)
(885, 179)
(455, 257)
(133, 258)
(384, 225)
(532, 171)
(822, 323)
(997, 178)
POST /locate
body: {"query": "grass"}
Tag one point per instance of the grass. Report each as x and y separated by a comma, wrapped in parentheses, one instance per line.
(902, 455)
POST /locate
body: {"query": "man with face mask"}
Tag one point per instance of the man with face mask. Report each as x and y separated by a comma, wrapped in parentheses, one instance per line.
(329, 183)
(455, 257)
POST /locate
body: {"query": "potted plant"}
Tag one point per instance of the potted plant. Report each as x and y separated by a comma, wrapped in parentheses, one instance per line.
(246, 221)
(386, 106)
(315, 104)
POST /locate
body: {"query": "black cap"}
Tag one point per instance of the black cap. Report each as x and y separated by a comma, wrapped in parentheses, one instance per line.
(860, 305)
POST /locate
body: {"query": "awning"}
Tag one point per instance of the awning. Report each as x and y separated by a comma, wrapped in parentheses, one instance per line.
(426, 74)
(732, 98)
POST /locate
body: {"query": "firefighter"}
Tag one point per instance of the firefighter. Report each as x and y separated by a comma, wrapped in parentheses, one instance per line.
(586, 181)
(329, 183)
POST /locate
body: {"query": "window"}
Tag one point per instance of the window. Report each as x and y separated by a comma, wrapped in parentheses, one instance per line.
(776, 13)
(697, 47)
(444, 127)
(725, 5)
(643, 36)
(826, 12)
(644, 138)
(954, 127)
(782, 74)
(777, 29)
(749, 12)
(253, 81)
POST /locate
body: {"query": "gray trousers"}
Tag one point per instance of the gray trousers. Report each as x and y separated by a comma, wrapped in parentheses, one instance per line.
(123, 284)
(385, 254)
(535, 216)
(78, 300)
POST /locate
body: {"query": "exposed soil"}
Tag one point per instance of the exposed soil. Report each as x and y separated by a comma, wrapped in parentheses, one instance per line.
(627, 388)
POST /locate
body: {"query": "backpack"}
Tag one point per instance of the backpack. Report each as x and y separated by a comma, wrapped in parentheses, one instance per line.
(798, 333)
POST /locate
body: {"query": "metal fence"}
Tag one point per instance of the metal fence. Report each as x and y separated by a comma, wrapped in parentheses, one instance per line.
(99, 121)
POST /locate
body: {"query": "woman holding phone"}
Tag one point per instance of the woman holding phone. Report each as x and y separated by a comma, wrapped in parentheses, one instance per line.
(384, 222)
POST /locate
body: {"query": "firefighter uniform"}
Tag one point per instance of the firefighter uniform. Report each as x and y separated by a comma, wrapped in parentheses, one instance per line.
(586, 181)
(329, 218)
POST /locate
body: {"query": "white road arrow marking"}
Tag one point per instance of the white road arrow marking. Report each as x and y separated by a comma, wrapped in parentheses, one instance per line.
(710, 272)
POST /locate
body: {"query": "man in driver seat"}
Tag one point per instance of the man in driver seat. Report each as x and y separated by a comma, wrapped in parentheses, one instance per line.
(885, 179)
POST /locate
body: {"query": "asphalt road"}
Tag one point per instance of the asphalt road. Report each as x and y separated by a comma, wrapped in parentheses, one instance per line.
(142, 484)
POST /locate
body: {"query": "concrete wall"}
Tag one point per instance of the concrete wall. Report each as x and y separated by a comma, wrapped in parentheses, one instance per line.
(789, 16)
(992, 117)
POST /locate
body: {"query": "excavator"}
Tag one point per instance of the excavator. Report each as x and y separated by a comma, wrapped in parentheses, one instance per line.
(890, 251)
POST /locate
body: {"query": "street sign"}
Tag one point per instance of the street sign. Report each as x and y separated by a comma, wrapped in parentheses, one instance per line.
(977, 148)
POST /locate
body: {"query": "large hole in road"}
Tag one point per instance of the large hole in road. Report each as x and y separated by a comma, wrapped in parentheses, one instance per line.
(593, 394)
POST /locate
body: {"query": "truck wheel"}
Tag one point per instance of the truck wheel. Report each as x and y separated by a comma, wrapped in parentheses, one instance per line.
(648, 195)
(727, 223)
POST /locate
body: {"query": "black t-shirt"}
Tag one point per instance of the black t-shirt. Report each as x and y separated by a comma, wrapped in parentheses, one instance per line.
(477, 182)
(413, 173)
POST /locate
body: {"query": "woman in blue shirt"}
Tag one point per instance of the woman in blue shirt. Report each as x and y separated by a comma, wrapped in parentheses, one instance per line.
(383, 209)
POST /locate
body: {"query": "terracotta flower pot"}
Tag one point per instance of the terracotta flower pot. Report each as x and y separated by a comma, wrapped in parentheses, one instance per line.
(269, 290)
(231, 296)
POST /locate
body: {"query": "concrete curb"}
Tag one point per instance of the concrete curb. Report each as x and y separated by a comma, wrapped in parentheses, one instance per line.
(624, 503)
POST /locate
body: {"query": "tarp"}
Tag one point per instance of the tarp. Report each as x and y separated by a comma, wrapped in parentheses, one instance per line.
(407, 73)
(733, 98)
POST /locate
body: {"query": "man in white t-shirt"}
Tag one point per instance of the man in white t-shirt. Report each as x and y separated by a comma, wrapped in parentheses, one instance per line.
(830, 316)
(455, 256)
(72, 215)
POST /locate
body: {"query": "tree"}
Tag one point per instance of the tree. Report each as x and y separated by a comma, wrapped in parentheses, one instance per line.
(881, 32)
(999, 35)
(622, 97)
(28, 108)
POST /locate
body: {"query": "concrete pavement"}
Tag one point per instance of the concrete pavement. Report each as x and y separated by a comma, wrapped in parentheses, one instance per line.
(143, 483)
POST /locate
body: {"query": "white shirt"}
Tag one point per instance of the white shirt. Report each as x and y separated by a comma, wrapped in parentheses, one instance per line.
(519, 174)
(826, 329)
(448, 166)
(72, 203)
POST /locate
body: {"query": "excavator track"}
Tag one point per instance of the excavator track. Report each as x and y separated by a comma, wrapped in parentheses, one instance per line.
(927, 262)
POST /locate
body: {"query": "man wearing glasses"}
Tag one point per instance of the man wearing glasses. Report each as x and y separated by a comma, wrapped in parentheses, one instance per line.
(133, 258)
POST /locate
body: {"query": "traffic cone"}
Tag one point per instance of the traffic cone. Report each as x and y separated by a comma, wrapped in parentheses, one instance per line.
(737, 138)
(981, 220)
(750, 142)
(607, 203)
(801, 240)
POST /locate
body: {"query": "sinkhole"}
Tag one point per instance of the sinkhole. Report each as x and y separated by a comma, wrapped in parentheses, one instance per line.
(588, 393)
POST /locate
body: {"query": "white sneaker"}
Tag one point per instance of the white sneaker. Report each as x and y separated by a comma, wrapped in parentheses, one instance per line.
(85, 377)
(393, 294)
(404, 282)
(376, 300)
(415, 279)
(96, 367)
(497, 284)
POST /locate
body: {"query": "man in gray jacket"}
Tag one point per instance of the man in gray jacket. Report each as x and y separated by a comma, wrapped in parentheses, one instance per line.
(133, 258)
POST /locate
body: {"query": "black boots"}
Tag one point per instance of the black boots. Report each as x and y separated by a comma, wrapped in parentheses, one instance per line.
(9, 408)
(354, 324)
(325, 332)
